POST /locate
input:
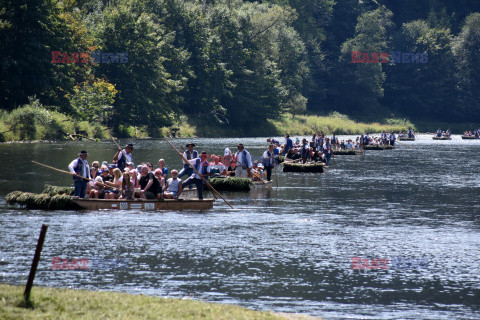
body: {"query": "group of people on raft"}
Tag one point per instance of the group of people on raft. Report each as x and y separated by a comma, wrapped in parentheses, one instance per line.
(122, 180)
(475, 133)
(440, 133)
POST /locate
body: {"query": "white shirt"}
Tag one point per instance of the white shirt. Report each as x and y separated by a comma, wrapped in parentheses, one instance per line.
(240, 159)
(128, 156)
(193, 162)
(271, 157)
(86, 168)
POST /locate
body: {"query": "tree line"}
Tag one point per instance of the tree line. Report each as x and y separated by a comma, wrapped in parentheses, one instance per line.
(235, 64)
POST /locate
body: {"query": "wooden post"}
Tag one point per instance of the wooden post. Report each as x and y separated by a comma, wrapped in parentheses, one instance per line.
(36, 259)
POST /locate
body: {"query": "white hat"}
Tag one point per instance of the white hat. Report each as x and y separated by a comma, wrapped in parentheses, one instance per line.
(99, 179)
(227, 151)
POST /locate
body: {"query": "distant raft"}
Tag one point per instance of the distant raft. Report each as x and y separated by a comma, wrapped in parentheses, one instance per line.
(378, 147)
(317, 167)
(406, 139)
(442, 138)
(469, 137)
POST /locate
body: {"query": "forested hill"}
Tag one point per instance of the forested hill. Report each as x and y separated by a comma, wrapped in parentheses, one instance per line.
(237, 63)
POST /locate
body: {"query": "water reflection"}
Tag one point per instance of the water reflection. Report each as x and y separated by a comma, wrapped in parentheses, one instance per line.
(286, 250)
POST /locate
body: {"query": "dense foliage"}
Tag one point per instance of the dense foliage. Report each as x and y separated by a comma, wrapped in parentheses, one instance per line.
(233, 63)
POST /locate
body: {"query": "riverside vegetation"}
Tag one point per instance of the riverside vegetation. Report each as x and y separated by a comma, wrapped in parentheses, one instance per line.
(52, 303)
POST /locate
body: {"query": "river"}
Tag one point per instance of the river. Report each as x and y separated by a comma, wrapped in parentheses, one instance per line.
(289, 251)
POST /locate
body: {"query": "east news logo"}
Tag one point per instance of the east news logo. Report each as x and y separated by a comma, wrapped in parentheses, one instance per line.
(392, 57)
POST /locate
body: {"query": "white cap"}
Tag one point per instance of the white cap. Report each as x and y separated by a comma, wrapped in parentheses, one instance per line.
(227, 151)
(99, 179)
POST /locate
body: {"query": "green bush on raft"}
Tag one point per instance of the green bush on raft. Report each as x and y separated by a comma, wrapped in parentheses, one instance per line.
(12, 197)
(231, 184)
(298, 167)
(54, 190)
(42, 201)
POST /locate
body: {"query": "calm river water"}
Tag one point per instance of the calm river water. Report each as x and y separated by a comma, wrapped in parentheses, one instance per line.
(289, 250)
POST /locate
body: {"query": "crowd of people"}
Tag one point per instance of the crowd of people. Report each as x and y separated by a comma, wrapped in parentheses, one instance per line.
(123, 180)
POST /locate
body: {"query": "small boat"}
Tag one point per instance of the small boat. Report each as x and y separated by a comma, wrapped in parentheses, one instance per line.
(406, 139)
(317, 167)
(469, 137)
(143, 204)
(378, 147)
(442, 138)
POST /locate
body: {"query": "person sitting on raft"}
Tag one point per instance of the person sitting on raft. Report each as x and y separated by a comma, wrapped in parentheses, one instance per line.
(97, 192)
(173, 186)
(114, 186)
(161, 166)
(81, 168)
(217, 168)
(122, 157)
(150, 186)
(158, 174)
(127, 189)
(202, 166)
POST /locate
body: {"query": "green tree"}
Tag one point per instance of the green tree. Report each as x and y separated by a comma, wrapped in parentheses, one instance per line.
(363, 85)
(466, 48)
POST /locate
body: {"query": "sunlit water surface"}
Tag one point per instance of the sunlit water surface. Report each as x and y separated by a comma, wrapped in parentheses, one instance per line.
(290, 250)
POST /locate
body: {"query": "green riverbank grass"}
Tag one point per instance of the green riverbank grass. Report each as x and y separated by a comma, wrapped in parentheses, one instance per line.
(53, 303)
(335, 123)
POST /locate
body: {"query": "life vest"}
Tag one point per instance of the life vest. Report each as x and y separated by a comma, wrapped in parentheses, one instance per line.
(121, 163)
(78, 170)
(190, 157)
(204, 169)
(268, 162)
(244, 161)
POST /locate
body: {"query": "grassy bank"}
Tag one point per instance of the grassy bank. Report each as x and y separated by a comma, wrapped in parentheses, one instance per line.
(52, 303)
(334, 123)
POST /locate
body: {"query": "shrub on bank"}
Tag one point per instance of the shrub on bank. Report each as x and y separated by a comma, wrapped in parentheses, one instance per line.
(34, 122)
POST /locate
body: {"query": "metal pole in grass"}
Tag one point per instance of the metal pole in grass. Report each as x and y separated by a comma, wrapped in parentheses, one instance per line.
(36, 259)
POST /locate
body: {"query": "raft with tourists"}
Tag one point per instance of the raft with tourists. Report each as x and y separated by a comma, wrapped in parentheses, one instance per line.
(442, 138)
(469, 137)
(406, 138)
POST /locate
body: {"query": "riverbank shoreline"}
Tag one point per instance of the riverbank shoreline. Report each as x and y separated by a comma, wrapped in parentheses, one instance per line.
(298, 125)
(60, 303)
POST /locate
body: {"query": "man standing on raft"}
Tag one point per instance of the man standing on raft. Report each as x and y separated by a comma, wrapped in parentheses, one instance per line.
(80, 167)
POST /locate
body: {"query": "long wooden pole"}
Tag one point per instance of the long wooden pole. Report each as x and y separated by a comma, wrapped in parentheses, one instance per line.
(114, 141)
(62, 171)
(260, 177)
(196, 171)
(36, 259)
(208, 184)
(275, 167)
